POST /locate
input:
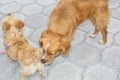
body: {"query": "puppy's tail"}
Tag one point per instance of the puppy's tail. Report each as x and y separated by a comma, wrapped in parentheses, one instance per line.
(9, 14)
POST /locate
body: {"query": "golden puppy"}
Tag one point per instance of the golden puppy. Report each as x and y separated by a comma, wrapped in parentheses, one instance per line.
(18, 49)
(65, 18)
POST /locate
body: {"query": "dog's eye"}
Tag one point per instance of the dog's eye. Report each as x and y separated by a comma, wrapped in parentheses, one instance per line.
(43, 36)
(51, 53)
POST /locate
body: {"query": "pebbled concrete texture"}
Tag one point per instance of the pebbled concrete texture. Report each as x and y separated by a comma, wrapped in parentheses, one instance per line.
(87, 60)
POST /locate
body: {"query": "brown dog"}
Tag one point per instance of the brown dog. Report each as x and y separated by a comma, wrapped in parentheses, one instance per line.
(65, 18)
(18, 48)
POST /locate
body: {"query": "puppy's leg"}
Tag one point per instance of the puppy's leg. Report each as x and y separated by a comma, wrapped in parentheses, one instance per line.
(9, 59)
(41, 71)
(24, 76)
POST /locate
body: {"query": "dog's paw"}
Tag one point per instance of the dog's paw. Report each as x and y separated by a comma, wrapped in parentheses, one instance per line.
(65, 55)
(93, 35)
(102, 42)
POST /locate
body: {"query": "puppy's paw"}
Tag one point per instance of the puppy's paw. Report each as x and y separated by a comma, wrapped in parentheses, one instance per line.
(93, 35)
(10, 60)
(42, 76)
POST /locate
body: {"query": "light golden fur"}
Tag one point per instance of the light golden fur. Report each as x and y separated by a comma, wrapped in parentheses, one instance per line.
(18, 49)
(65, 18)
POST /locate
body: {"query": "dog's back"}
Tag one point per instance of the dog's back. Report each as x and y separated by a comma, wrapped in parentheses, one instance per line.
(68, 14)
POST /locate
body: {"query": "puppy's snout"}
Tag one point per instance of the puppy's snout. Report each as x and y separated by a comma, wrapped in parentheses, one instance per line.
(43, 61)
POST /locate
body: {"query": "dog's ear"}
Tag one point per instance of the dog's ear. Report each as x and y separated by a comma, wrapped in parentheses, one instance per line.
(19, 24)
(64, 48)
(5, 26)
(44, 33)
(41, 42)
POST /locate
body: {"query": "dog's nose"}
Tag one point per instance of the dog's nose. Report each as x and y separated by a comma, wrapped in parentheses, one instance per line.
(43, 61)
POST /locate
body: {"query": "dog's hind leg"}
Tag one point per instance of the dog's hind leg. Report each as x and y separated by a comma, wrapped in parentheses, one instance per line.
(101, 20)
(94, 34)
(104, 34)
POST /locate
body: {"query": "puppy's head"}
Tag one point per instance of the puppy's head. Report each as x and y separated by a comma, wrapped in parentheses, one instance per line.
(52, 44)
(12, 28)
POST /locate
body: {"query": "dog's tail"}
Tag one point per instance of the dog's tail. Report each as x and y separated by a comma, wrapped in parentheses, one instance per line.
(106, 0)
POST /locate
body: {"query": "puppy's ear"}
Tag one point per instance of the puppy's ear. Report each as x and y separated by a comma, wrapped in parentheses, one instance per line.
(19, 24)
(5, 26)
(65, 46)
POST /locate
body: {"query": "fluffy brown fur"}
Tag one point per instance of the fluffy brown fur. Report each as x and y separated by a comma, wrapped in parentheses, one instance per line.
(18, 48)
(65, 18)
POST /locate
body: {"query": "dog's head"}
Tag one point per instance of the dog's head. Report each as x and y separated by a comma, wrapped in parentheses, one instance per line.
(12, 28)
(52, 44)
